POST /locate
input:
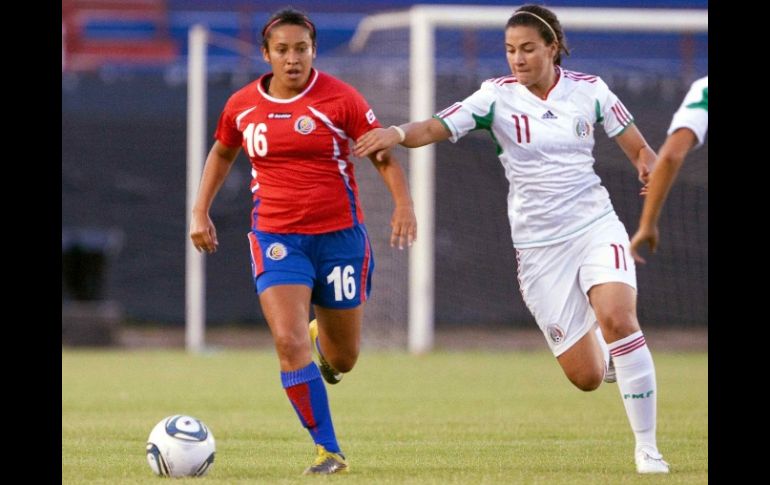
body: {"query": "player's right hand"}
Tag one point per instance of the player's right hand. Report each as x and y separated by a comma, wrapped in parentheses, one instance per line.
(203, 233)
(377, 140)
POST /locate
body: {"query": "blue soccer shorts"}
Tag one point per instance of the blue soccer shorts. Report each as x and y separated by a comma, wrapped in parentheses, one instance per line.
(337, 266)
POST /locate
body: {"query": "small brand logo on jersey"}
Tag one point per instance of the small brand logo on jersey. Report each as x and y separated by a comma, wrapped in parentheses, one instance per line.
(555, 333)
(276, 251)
(370, 116)
(304, 125)
(279, 116)
(549, 116)
(582, 127)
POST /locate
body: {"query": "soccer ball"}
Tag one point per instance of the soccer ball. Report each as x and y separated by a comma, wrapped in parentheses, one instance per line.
(180, 446)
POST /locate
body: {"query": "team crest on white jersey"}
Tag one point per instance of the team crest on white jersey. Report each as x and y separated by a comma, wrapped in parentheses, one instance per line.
(276, 251)
(555, 333)
(304, 125)
(370, 116)
(582, 127)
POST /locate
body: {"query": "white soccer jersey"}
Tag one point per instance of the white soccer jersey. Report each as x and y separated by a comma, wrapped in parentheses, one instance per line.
(694, 111)
(546, 149)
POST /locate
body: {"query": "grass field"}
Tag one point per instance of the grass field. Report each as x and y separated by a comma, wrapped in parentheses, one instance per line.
(448, 417)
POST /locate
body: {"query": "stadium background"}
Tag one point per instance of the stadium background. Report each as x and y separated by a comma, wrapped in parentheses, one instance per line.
(123, 161)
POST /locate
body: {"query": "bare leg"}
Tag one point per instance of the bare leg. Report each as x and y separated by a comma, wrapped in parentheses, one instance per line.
(287, 309)
(583, 363)
(339, 335)
(615, 308)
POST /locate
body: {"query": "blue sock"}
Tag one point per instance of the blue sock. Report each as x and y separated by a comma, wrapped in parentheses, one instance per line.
(307, 394)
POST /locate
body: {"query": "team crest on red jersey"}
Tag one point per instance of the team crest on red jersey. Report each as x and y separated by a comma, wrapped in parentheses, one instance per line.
(304, 125)
(276, 251)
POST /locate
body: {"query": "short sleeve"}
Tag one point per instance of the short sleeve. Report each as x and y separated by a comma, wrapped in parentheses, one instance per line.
(474, 112)
(694, 111)
(227, 132)
(610, 111)
(359, 117)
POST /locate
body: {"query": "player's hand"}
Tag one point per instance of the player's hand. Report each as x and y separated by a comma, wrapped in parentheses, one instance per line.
(404, 227)
(644, 236)
(644, 177)
(203, 233)
(376, 141)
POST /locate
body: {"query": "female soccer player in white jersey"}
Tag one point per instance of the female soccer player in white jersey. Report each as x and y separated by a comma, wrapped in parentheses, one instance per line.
(574, 267)
(687, 132)
(308, 240)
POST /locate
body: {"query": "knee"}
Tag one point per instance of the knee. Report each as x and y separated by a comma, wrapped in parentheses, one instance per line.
(344, 362)
(619, 323)
(588, 381)
(288, 345)
(588, 376)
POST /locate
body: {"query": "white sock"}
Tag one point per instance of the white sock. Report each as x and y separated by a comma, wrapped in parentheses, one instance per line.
(604, 347)
(635, 372)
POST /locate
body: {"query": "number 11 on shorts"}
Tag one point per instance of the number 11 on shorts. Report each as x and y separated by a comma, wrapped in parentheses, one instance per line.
(343, 282)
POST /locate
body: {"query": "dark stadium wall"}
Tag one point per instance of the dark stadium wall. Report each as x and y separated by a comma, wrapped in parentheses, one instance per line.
(123, 166)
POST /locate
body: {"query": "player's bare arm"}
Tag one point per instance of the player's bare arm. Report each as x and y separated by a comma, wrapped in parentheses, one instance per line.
(403, 222)
(220, 159)
(416, 134)
(672, 155)
(638, 152)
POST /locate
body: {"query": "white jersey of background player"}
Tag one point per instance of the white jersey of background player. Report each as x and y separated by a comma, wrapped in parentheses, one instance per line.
(693, 114)
(574, 269)
(687, 132)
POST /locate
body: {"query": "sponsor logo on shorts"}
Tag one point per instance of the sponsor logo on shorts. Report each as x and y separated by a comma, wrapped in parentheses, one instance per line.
(582, 127)
(555, 333)
(276, 251)
(304, 125)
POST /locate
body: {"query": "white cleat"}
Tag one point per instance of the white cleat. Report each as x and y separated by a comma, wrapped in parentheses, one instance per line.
(649, 460)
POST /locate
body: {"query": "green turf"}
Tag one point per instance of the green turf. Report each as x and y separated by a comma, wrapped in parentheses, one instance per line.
(442, 418)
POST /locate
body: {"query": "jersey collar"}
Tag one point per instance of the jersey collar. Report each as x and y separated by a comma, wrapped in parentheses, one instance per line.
(550, 91)
(313, 79)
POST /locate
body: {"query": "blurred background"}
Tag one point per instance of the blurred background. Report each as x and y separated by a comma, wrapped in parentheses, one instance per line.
(124, 116)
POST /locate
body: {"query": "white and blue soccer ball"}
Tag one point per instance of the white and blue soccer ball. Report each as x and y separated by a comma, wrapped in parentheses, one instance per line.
(180, 446)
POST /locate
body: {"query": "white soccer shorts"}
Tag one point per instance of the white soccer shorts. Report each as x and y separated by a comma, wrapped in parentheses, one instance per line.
(555, 280)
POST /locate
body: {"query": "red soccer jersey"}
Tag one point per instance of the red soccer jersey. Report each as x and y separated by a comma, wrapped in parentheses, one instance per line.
(302, 180)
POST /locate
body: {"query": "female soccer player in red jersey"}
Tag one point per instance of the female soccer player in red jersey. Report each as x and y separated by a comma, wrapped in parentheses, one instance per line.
(308, 240)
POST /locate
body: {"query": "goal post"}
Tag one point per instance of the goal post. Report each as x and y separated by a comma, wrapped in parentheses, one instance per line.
(199, 39)
(195, 262)
(422, 22)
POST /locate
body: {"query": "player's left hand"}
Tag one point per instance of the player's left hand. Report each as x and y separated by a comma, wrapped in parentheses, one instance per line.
(404, 227)
(378, 141)
(644, 177)
(644, 173)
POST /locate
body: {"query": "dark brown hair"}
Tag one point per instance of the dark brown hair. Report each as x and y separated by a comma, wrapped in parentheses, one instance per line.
(545, 22)
(288, 16)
